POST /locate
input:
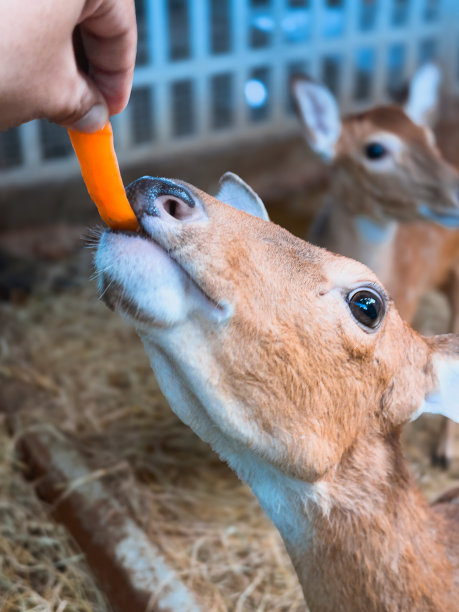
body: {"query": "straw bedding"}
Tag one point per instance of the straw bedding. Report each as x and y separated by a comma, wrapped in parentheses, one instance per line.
(90, 377)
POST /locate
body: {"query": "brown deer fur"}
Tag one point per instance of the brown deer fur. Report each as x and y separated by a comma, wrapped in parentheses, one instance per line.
(410, 254)
(252, 340)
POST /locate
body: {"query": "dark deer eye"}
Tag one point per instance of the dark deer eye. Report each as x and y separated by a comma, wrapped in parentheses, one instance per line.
(366, 306)
(375, 150)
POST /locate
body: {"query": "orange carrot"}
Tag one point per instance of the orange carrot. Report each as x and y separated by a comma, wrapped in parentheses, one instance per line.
(101, 174)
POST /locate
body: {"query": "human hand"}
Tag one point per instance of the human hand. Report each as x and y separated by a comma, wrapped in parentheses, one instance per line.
(39, 73)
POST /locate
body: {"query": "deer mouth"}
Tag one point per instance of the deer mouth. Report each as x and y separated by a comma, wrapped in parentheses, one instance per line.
(143, 280)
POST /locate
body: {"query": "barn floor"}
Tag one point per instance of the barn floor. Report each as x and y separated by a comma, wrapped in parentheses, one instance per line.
(89, 376)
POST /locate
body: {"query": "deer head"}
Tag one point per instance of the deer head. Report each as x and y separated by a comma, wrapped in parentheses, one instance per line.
(276, 352)
(385, 163)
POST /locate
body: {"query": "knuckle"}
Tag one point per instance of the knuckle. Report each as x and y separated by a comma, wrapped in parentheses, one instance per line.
(71, 103)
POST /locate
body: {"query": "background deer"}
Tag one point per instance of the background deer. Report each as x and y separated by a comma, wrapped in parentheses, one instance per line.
(294, 365)
(393, 200)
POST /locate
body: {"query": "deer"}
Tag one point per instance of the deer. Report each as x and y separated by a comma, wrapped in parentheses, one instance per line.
(393, 200)
(293, 363)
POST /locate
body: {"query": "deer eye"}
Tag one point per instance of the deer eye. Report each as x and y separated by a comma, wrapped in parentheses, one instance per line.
(375, 150)
(367, 307)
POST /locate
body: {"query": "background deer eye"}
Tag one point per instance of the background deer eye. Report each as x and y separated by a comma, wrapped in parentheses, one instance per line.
(375, 150)
(366, 306)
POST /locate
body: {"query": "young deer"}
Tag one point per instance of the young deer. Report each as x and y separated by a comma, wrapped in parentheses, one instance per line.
(393, 201)
(294, 365)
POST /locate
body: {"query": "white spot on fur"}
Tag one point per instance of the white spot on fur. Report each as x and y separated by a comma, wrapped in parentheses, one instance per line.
(374, 232)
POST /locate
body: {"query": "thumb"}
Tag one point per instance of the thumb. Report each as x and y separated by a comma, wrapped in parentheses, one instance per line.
(83, 107)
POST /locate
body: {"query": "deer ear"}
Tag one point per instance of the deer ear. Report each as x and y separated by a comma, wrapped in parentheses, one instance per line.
(234, 191)
(422, 104)
(319, 115)
(444, 397)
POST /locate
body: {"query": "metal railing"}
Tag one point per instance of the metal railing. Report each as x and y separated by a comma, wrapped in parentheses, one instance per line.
(216, 71)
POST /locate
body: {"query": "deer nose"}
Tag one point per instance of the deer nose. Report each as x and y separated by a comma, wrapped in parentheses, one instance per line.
(160, 197)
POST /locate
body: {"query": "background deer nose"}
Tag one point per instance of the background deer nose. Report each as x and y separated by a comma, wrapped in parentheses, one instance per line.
(159, 197)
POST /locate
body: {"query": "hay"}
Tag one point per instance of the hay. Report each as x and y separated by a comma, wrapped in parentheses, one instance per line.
(41, 569)
(91, 378)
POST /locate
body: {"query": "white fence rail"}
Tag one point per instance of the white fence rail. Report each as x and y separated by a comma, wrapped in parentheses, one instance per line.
(217, 71)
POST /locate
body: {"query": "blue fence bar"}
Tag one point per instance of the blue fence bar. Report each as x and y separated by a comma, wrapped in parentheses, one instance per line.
(216, 71)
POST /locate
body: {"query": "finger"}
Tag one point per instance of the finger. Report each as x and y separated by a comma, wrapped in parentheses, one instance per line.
(92, 112)
(109, 37)
(74, 100)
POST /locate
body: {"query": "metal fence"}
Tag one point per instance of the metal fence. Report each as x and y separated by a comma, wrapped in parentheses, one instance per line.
(217, 71)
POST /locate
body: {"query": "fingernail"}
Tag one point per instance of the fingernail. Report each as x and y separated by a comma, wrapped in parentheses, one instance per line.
(94, 120)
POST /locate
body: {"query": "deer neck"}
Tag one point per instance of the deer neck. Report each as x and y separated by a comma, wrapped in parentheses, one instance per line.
(351, 223)
(362, 538)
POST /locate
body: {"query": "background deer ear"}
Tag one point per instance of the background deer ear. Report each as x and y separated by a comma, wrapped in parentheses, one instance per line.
(444, 398)
(234, 191)
(319, 115)
(423, 98)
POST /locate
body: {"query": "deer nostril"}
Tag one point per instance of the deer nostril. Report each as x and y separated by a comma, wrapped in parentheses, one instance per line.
(159, 197)
(171, 207)
(175, 208)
